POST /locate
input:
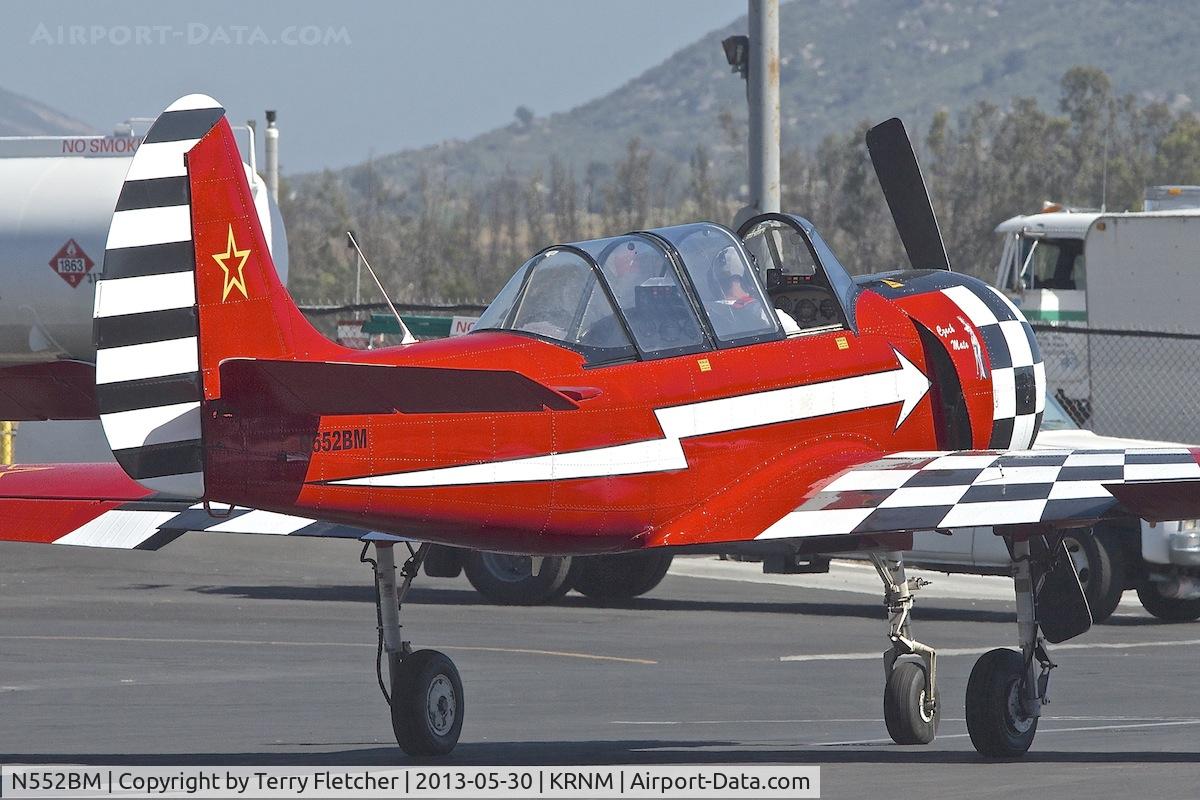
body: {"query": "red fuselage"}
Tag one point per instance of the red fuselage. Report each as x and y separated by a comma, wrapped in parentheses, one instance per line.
(734, 484)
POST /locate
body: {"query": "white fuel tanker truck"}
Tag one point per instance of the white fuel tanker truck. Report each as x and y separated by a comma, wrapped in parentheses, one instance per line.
(56, 202)
(56, 205)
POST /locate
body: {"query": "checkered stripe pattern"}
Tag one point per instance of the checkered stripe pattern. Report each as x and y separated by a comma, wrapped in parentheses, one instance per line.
(1018, 374)
(924, 491)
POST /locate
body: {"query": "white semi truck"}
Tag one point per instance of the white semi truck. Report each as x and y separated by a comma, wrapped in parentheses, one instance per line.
(1120, 276)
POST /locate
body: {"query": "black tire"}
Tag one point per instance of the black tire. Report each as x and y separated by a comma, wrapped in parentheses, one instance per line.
(427, 704)
(510, 580)
(1166, 608)
(1094, 559)
(904, 711)
(618, 577)
(996, 728)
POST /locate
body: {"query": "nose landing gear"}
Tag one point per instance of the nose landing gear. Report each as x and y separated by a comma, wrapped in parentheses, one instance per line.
(910, 697)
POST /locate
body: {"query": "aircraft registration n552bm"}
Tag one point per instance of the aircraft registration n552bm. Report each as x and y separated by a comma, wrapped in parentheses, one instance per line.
(683, 386)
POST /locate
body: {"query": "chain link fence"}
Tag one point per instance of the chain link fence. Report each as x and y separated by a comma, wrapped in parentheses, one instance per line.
(1136, 384)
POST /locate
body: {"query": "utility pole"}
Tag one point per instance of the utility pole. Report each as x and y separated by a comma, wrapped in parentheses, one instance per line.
(756, 57)
(764, 104)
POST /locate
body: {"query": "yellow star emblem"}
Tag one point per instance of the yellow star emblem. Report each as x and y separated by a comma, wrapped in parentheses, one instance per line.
(233, 281)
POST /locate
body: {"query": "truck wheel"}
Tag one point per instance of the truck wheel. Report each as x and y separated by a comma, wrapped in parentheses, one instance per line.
(1093, 560)
(619, 577)
(510, 580)
(1167, 608)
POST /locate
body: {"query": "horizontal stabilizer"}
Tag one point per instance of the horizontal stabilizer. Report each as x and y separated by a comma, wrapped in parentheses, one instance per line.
(48, 390)
(97, 505)
(325, 389)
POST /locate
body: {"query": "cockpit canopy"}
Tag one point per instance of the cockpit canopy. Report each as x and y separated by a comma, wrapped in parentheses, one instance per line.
(650, 294)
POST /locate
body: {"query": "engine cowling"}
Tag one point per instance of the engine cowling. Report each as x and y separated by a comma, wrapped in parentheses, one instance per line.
(978, 345)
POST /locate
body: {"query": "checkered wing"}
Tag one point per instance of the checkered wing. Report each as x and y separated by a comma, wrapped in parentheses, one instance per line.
(940, 490)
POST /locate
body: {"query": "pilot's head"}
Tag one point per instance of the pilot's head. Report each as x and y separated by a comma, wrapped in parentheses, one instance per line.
(625, 262)
(729, 272)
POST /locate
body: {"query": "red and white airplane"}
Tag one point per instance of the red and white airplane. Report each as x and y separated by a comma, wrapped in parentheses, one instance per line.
(627, 393)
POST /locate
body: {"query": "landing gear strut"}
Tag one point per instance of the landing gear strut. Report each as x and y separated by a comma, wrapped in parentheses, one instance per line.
(1007, 689)
(911, 709)
(426, 695)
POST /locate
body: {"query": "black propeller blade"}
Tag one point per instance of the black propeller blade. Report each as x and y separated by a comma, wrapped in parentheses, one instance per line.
(904, 187)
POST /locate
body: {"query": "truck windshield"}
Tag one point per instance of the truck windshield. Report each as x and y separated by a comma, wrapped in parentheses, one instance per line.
(1055, 264)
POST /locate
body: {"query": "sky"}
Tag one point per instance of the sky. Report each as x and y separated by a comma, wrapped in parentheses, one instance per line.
(348, 78)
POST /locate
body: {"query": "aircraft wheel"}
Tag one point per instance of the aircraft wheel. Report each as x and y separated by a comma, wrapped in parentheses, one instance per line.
(1167, 608)
(619, 577)
(905, 712)
(1101, 578)
(510, 579)
(427, 704)
(997, 727)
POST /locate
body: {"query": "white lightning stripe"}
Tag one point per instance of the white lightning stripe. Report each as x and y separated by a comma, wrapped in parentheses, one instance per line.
(150, 360)
(174, 423)
(656, 455)
(145, 226)
(906, 385)
(118, 529)
(145, 293)
(160, 160)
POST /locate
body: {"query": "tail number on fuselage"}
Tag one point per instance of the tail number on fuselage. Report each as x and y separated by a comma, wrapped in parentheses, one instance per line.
(335, 441)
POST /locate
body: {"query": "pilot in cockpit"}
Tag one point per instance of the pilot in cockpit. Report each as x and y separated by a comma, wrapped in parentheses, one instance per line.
(630, 269)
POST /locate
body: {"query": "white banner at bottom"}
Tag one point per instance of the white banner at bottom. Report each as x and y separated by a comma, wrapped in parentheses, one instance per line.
(663, 781)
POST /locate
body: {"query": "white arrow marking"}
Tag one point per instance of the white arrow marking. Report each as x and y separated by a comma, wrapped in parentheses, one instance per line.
(906, 385)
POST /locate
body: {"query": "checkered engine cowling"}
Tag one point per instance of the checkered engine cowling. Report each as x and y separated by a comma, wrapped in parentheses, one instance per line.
(1017, 372)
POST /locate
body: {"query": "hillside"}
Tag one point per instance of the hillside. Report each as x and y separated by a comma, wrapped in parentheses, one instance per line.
(842, 61)
(21, 116)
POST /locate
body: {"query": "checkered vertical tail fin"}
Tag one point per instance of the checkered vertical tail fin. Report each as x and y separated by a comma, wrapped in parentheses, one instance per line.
(188, 281)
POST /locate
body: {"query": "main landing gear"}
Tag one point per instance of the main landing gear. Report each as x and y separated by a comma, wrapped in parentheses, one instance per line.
(426, 695)
(1007, 688)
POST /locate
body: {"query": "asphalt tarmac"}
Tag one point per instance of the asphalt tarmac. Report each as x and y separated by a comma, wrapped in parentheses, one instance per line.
(237, 650)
